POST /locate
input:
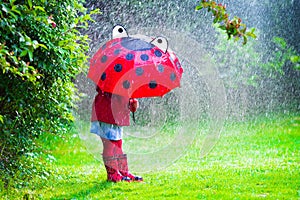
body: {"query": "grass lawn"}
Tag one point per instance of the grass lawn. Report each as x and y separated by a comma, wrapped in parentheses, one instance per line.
(254, 159)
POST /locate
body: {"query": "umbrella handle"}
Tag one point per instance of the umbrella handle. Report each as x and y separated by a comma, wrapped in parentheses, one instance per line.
(133, 118)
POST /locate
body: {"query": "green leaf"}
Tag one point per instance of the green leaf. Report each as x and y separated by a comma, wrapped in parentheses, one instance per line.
(12, 2)
(280, 41)
(35, 44)
(14, 8)
(295, 59)
(39, 8)
(30, 4)
(42, 45)
(1, 119)
(245, 40)
(223, 27)
(21, 39)
(250, 34)
(30, 54)
(4, 8)
(96, 11)
(13, 15)
(236, 39)
(24, 53)
(199, 7)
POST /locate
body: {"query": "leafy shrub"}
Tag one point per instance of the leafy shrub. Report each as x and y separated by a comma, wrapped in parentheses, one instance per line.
(282, 55)
(41, 52)
(257, 79)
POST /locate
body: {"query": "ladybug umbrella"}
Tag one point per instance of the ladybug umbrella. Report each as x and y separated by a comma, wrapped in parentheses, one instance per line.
(135, 66)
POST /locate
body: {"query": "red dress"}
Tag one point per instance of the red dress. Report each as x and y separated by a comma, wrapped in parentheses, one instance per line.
(111, 109)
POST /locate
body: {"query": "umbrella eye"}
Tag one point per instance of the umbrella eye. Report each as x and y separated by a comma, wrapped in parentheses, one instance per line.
(161, 43)
(119, 32)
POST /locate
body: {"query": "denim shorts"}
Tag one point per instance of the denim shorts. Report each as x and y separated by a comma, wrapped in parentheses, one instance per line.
(107, 131)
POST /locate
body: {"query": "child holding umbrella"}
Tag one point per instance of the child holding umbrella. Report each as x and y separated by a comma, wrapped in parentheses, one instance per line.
(123, 69)
(109, 113)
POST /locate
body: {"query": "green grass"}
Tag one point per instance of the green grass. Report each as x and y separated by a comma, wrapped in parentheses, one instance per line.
(254, 159)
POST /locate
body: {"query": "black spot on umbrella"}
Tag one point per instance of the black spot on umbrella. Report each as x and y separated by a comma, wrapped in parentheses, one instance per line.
(118, 67)
(104, 59)
(152, 84)
(103, 76)
(126, 84)
(160, 68)
(117, 51)
(144, 57)
(173, 77)
(129, 56)
(157, 53)
(139, 71)
(103, 47)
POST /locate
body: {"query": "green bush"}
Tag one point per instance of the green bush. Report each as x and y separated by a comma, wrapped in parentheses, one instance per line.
(41, 52)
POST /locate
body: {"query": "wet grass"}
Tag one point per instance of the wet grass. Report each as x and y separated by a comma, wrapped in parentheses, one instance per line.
(254, 159)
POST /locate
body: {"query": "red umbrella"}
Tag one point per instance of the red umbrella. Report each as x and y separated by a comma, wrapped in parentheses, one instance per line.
(135, 66)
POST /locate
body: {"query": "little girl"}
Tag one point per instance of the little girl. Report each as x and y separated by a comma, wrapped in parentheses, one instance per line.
(109, 113)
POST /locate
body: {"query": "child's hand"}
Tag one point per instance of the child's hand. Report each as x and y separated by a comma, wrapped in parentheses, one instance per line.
(133, 104)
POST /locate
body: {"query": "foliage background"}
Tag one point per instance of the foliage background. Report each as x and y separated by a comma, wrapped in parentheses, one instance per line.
(41, 52)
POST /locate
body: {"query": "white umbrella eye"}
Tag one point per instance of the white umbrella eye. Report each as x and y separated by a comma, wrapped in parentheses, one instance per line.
(161, 43)
(119, 32)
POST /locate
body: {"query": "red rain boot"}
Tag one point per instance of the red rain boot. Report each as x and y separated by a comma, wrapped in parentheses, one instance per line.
(123, 168)
(111, 165)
